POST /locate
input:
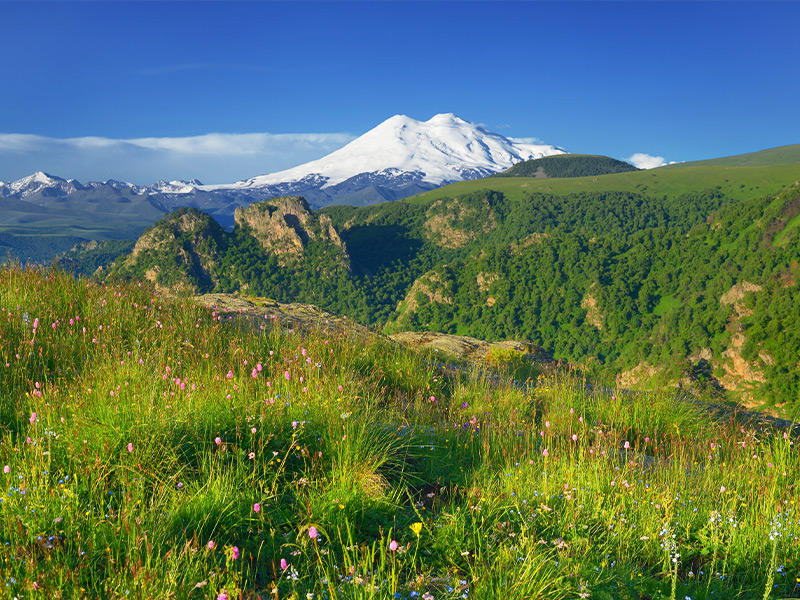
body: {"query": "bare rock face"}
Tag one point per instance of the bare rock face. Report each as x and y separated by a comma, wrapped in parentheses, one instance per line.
(285, 226)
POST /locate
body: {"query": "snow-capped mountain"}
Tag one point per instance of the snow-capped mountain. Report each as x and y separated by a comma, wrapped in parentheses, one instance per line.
(39, 182)
(398, 158)
(441, 150)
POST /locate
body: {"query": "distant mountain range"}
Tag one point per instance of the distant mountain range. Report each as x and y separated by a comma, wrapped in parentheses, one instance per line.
(398, 158)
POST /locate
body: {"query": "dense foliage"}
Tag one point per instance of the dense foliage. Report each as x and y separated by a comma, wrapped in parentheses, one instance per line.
(568, 165)
(608, 280)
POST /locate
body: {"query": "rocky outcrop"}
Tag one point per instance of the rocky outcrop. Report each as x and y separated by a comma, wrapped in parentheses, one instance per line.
(179, 252)
(285, 226)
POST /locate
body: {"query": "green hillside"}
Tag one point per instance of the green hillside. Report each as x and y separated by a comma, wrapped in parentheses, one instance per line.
(737, 183)
(685, 277)
(773, 156)
(568, 165)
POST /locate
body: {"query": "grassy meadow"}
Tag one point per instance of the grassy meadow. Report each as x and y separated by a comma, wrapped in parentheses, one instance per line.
(150, 448)
(736, 182)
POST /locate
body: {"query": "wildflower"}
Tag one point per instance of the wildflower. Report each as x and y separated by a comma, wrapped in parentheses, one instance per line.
(545, 452)
(722, 489)
(235, 553)
(393, 545)
(312, 532)
(210, 545)
(222, 596)
(416, 528)
(217, 441)
(574, 437)
(284, 564)
(254, 373)
(6, 469)
(33, 418)
(130, 446)
(256, 507)
(287, 375)
(547, 423)
(626, 445)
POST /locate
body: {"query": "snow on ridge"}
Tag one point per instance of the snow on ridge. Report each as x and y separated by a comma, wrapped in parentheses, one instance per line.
(443, 148)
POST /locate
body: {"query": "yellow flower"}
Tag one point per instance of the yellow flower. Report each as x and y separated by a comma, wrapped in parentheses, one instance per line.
(416, 528)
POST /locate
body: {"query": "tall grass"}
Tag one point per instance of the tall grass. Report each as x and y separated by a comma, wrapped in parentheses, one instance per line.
(151, 448)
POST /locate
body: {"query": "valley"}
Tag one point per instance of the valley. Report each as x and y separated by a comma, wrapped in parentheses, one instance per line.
(631, 282)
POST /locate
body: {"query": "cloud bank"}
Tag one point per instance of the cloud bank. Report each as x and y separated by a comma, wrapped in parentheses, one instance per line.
(211, 158)
(646, 161)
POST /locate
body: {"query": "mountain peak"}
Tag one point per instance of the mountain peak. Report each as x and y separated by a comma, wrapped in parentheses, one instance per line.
(443, 149)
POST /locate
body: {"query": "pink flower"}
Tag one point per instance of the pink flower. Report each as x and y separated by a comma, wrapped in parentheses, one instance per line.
(545, 452)
(393, 545)
(256, 507)
(229, 375)
(253, 430)
(574, 437)
(547, 423)
(312, 532)
(33, 418)
(254, 373)
(35, 323)
(210, 545)
(626, 445)
(287, 375)
(235, 553)
(130, 446)
(217, 441)
(284, 564)
(722, 489)
(222, 596)
(6, 469)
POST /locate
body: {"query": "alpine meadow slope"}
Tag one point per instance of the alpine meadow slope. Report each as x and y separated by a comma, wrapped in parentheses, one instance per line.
(682, 277)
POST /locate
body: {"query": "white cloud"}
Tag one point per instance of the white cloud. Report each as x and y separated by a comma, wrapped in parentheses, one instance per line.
(211, 158)
(646, 161)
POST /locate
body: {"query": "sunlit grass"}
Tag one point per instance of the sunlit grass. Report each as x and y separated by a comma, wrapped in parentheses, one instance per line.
(151, 448)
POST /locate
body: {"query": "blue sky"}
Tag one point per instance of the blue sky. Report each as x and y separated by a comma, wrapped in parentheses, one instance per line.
(682, 80)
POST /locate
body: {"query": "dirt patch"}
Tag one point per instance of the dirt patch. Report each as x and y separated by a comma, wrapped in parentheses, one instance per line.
(739, 374)
(736, 294)
(464, 347)
(593, 316)
(485, 280)
(641, 373)
(534, 238)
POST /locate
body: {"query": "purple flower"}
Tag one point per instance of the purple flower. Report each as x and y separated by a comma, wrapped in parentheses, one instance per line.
(256, 507)
(235, 553)
(284, 564)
